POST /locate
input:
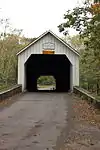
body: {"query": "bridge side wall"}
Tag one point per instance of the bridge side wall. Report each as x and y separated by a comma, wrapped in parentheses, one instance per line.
(60, 48)
(10, 92)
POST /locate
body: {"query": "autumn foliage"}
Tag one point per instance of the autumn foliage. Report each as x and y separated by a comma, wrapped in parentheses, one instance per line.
(95, 8)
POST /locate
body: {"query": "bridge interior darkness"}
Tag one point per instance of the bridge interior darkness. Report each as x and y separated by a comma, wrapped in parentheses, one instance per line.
(48, 64)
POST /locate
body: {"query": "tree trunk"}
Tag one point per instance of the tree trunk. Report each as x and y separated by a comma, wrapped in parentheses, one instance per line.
(97, 90)
(88, 86)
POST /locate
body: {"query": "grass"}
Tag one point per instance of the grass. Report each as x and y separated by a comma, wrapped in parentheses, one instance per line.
(4, 87)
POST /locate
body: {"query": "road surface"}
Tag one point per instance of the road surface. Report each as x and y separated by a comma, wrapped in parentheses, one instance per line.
(36, 121)
(46, 88)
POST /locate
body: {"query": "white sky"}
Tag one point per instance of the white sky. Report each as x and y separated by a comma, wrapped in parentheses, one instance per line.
(35, 16)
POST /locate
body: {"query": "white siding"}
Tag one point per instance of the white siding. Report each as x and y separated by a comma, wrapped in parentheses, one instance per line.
(60, 48)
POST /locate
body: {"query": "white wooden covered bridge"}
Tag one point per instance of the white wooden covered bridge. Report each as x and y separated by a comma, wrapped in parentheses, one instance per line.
(48, 55)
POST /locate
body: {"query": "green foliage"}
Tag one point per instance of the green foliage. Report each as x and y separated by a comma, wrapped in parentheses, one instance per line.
(11, 42)
(46, 80)
(86, 20)
(75, 41)
(96, 1)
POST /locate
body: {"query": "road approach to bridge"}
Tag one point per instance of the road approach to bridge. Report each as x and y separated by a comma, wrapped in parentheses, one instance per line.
(36, 121)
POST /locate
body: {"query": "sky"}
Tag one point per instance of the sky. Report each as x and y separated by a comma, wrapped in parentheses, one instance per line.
(36, 16)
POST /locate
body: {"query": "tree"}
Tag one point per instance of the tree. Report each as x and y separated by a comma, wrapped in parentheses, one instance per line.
(11, 41)
(96, 1)
(75, 41)
(86, 20)
(9, 45)
(46, 80)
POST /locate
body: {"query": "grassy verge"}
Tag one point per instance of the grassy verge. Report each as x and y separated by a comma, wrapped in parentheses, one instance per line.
(4, 87)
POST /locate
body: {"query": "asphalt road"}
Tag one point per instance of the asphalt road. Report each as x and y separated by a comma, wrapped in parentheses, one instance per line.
(46, 88)
(35, 122)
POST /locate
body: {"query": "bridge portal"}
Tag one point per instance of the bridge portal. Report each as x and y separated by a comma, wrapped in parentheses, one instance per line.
(48, 55)
(55, 65)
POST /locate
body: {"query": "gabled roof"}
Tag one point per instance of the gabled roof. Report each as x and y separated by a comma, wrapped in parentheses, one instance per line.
(45, 33)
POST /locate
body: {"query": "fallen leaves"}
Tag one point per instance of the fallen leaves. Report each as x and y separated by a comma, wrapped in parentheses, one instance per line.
(85, 134)
(86, 112)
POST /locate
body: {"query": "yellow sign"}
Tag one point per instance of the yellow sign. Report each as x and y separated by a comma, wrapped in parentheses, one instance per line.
(48, 52)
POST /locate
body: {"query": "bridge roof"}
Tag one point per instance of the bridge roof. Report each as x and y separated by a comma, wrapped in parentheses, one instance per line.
(45, 33)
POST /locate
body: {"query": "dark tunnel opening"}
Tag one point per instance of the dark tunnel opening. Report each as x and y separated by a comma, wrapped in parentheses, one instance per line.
(48, 65)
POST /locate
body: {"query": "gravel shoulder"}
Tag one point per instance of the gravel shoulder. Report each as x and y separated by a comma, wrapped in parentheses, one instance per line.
(8, 102)
(85, 134)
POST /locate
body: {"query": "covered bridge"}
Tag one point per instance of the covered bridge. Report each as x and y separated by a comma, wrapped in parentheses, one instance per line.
(48, 55)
